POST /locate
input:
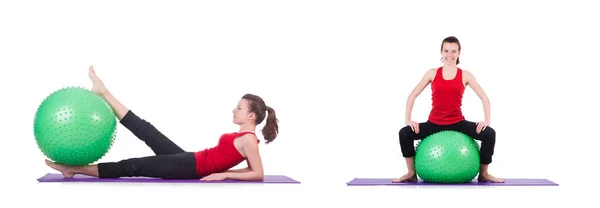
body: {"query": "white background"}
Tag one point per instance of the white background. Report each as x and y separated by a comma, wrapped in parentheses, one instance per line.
(337, 73)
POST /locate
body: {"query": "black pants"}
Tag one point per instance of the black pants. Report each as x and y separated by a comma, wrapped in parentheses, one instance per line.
(487, 137)
(170, 161)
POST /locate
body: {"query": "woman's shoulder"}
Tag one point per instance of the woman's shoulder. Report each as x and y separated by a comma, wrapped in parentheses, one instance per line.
(466, 73)
(434, 69)
(430, 73)
(249, 137)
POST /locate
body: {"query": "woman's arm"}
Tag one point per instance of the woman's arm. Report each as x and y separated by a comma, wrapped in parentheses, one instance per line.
(417, 90)
(472, 82)
(255, 168)
(410, 102)
(246, 169)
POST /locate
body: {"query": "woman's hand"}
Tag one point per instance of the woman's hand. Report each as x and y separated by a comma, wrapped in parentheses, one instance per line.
(481, 126)
(413, 125)
(214, 177)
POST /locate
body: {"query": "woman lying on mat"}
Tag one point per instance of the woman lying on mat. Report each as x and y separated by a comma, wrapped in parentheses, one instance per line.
(448, 84)
(172, 162)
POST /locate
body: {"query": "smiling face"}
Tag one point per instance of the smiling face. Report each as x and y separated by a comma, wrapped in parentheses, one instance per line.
(450, 52)
(241, 113)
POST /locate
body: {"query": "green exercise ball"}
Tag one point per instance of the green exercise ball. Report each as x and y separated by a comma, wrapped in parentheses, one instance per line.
(447, 157)
(74, 126)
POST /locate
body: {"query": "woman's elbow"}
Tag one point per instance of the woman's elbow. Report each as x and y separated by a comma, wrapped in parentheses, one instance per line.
(259, 176)
(485, 99)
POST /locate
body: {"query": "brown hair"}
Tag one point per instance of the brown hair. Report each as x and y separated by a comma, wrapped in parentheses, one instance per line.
(260, 109)
(451, 39)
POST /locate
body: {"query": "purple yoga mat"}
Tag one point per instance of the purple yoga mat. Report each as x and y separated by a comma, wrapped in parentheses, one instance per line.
(51, 177)
(507, 182)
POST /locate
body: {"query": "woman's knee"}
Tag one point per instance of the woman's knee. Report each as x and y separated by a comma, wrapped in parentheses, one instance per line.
(405, 133)
(487, 137)
(489, 132)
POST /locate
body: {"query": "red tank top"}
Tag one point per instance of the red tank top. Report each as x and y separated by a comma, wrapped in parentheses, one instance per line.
(446, 96)
(221, 157)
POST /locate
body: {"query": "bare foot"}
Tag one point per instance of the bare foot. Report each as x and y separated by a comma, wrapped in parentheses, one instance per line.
(489, 178)
(62, 168)
(98, 87)
(409, 177)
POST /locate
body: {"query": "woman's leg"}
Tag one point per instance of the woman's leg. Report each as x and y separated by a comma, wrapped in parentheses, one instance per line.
(142, 129)
(145, 131)
(174, 166)
(488, 142)
(407, 139)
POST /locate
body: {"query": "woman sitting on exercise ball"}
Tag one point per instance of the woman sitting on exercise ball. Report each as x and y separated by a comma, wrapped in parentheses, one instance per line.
(448, 83)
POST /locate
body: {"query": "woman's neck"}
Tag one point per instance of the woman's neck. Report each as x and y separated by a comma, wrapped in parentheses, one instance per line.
(245, 128)
(450, 66)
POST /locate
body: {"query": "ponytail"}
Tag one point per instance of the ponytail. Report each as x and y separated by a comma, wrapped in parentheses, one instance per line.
(271, 129)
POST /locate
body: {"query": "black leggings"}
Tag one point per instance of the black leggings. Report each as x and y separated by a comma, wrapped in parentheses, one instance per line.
(170, 161)
(487, 137)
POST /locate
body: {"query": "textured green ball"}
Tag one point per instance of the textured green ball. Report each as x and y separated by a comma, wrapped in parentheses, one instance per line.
(74, 126)
(447, 157)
